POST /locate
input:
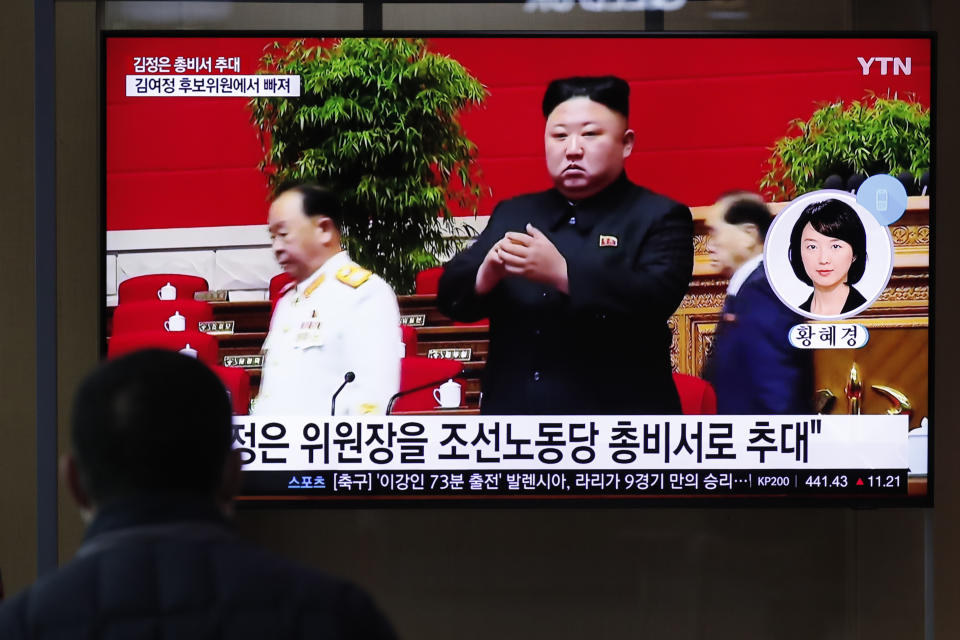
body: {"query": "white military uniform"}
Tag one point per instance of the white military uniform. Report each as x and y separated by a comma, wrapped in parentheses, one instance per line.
(342, 318)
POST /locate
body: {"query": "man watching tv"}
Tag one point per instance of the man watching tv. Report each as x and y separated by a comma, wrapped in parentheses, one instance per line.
(152, 470)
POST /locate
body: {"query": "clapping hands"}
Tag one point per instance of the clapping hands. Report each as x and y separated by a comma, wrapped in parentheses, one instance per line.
(528, 255)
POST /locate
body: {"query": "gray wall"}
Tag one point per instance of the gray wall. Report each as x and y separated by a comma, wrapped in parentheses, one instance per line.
(476, 573)
(18, 472)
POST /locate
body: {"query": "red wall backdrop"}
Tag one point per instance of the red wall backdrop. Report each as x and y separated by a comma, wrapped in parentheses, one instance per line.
(706, 111)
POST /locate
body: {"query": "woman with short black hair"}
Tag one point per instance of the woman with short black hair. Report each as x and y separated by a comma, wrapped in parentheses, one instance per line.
(828, 250)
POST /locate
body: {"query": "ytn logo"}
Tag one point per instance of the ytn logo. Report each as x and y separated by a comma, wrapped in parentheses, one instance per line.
(901, 66)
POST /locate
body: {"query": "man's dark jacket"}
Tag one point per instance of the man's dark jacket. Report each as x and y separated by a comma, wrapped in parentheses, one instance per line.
(167, 568)
(752, 367)
(604, 348)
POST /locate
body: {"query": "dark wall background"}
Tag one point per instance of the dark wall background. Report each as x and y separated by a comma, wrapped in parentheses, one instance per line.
(440, 573)
(18, 532)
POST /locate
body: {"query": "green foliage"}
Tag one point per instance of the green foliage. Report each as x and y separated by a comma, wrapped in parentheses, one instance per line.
(377, 122)
(875, 135)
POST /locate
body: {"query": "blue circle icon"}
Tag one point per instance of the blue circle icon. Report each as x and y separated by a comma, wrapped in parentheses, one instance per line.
(884, 197)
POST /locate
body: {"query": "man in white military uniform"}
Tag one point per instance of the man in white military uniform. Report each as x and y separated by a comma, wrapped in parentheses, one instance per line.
(336, 318)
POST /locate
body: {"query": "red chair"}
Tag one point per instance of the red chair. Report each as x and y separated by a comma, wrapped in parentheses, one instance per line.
(427, 281)
(696, 395)
(237, 382)
(148, 287)
(278, 286)
(409, 340)
(277, 283)
(205, 344)
(430, 373)
(151, 315)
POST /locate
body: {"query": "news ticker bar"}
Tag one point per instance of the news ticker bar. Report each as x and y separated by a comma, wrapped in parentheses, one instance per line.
(435, 443)
(612, 482)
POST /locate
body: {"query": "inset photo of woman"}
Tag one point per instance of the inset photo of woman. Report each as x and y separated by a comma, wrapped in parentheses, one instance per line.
(827, 257)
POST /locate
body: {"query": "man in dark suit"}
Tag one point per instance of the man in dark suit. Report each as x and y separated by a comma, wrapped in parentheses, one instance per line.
(153, 472)
(578, 281)
(752, 366)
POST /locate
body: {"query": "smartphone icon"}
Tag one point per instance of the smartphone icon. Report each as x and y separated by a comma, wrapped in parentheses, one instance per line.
(881, 199)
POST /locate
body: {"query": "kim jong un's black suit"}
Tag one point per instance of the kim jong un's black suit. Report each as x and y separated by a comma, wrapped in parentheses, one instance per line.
(604, 348)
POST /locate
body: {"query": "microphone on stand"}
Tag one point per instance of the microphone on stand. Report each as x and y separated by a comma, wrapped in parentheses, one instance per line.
(404, 392)
(348, 377)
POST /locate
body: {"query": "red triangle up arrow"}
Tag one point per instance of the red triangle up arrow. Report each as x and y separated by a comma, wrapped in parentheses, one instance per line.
(859, 482)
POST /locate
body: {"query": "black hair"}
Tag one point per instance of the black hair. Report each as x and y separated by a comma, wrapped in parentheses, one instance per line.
(150, 422)
(747, 211)
(835, 219)
(317, 200)
(610, 91)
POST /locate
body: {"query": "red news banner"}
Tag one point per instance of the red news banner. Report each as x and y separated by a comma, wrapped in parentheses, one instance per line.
(179, 129)
(477, 456)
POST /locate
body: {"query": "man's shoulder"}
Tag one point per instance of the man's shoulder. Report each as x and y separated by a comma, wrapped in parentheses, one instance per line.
(13, 616)
(151, 577)
(636, 197)
(352, 277)
(646, 200)
(756, 280)
(524, 201)
(349, 282)
(760, 296)
(755, 288)
(63, 599)
(228, 560)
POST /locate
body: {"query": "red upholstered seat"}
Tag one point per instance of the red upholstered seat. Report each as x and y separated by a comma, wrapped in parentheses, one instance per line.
(427, 281)
(409, 340)
(147, 287)
(277, 283)
(427, 284)
(696, 395)
(237, 382)
(150, 315)
(205, 344)
(416, 371)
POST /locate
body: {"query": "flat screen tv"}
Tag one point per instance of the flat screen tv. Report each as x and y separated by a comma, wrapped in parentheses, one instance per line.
(798, 120)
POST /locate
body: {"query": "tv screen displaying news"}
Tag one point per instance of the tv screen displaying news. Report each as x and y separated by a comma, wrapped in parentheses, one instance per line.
(541, 268)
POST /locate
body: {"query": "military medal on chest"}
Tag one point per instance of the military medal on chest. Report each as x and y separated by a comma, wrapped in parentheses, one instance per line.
(310, 328)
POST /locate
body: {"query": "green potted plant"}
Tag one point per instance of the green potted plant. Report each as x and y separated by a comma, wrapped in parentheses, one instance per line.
(867, 137)
(377, 121)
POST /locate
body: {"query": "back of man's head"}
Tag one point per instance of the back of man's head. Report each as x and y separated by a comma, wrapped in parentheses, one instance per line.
(745, 207)
(610, 91)
(148, 423)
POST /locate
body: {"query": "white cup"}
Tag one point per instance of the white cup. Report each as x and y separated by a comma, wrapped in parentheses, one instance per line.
(167, 292)
(448, 395)
(176, 322)
(187, 351)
